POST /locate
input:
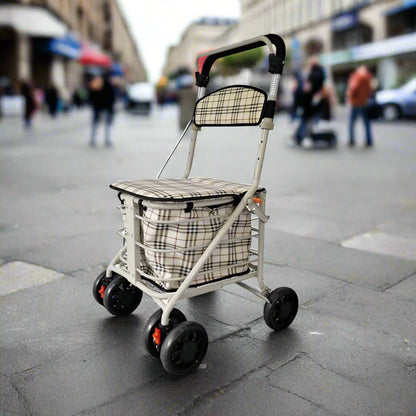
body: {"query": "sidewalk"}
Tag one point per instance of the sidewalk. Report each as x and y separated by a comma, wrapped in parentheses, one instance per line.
(341, 233)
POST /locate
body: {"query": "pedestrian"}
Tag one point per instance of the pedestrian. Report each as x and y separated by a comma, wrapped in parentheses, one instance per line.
(30, 104)
(314, 81)
(297, 90)
(359, 91)
(102, 99)
(51, 99)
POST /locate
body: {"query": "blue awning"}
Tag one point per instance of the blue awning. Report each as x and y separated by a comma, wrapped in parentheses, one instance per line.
(116, 70)
(406, 5)
(66, 46)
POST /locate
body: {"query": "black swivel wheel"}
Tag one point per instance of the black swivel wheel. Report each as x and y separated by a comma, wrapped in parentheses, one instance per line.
(121, 297)
(282, 309)
(175, 318)
(184, 348)
(100, 284)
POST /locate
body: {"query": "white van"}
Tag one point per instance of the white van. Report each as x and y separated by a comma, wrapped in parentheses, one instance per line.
(141, 97)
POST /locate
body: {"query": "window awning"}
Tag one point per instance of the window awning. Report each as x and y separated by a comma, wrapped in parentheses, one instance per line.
(406, 5)
(116, 70)
(66, 46)
(42, 22)
(93, 57)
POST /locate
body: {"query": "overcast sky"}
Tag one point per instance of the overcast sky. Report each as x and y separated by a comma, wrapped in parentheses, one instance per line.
(158, 24)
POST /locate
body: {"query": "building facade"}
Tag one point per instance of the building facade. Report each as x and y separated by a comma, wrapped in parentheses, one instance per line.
(342, 33)
(200, 36)
(42, 41)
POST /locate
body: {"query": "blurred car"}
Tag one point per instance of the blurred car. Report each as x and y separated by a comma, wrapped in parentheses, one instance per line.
(398, 102)
(12, 105)
(140, 96)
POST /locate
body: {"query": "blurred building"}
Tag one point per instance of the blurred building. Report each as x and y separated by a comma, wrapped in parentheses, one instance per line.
(201, 35)
(57, 41)
(343, 33)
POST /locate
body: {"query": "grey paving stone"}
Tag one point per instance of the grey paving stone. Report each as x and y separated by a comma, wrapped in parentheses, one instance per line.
(371, 309)
(252, 395)
(306, 378)
(358, 267)
(75, 253)
(284, 248)
(60, 310)
(383, 243)
(309, 286)
(364, 356)
(18, 275)
(138, 381)
(405, 289)
(403, 225)
(11, 402)
(227, 308)
(307, 225)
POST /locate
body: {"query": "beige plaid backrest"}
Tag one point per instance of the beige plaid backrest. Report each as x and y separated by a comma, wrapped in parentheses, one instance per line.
(236, 105)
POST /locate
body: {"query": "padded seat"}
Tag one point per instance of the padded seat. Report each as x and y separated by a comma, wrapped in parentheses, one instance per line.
(181, 189)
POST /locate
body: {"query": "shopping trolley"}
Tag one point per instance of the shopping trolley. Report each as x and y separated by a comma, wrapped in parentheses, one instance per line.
(188, 236)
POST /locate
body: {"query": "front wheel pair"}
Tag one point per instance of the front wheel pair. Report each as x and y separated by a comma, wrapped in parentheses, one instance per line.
(181, 348)
(116, 294)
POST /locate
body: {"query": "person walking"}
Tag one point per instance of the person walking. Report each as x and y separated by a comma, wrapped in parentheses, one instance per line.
(311, 87)
(297, 91)
(102, 98)
(359, 92)
(51, 99)
(28, 94)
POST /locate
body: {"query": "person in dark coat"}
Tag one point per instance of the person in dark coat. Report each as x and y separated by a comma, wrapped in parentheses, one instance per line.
(51, 99)
(312, 86)
(28, 94)
(102, 98)
(297, 92)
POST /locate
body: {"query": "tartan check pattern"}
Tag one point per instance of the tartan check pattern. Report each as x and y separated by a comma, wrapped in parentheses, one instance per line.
(191, 239)
(180, 189)
(231, 106)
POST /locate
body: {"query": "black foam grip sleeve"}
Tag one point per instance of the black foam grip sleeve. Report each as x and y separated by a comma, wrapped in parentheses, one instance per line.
(275, 39)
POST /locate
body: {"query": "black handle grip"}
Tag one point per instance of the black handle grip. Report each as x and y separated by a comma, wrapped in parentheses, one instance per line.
(276, 61)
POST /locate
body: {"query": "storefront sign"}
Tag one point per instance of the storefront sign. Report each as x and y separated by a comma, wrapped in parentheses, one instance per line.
(388, 47)
(344, 21)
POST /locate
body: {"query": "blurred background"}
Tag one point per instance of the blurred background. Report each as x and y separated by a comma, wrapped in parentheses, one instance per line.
(58, 46)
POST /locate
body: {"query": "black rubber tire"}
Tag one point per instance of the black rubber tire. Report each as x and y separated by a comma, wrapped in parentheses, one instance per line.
(121, 297)
(391, 112)
(184, 348)
(100, 281)
(176, 317)
(282, 309)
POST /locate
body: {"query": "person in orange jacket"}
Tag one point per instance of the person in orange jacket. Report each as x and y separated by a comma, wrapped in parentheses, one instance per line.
(360, 88)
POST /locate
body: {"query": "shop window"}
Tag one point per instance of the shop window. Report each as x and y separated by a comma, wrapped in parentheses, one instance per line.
(358, 35)
(107, 12)
(402, 23)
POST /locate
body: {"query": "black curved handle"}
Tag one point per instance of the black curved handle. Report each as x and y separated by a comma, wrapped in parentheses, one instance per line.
(276, 61)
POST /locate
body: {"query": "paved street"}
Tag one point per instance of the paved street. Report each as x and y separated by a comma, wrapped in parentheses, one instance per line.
(342, 233)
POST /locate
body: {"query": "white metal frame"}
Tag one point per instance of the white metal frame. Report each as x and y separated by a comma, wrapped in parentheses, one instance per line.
(127, 260)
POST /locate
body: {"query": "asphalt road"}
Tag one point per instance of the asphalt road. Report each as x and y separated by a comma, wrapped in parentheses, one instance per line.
(342, 233)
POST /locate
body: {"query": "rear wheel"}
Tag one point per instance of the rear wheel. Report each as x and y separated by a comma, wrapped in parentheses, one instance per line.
(282, 309)
(121, 297)
(391, 112)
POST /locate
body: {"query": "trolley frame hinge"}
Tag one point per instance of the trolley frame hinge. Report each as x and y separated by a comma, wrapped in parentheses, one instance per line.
(253, 207)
